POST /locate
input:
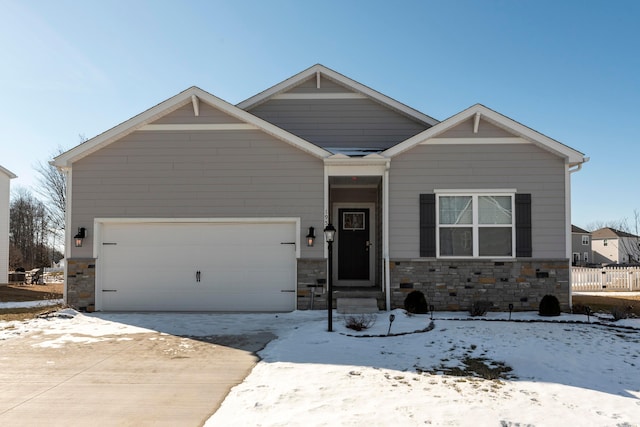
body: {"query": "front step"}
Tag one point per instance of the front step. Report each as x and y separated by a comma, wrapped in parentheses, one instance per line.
(357, 305)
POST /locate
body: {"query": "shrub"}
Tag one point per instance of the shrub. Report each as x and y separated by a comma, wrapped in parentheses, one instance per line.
(480, 308)
(579, 309)
(359, 322)
(618, 312)
(549, 306)
(415, 302)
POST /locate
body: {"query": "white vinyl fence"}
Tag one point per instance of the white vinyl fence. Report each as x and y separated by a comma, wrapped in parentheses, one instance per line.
(605, 279)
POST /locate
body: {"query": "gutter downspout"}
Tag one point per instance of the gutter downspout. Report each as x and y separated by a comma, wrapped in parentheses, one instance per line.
(567, 187)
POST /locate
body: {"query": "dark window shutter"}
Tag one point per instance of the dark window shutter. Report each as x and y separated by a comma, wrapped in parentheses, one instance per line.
(427, 225)
(524, 247)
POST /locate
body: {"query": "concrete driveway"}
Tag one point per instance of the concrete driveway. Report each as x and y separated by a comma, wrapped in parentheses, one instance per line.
(125, 380)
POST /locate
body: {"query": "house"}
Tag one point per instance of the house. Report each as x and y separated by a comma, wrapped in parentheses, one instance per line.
(611, 246)
(473, 207)
(5, 178)
(581, 252)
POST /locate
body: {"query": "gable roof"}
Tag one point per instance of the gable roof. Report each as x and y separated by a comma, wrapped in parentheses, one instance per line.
(576, 229)
(611, 233)
(162, 109)
(7, 172)
(321, 70)
(572, 157)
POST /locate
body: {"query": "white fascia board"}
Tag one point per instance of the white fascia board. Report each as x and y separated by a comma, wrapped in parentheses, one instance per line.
(341, 79)
(571, 156)
(143, 119)
(7, 172)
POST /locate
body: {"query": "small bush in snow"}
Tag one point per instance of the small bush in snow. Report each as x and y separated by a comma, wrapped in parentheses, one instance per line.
(549, 306)
(415, 302)
(619, 313)
(579, 309)
(480, 308)
(359, 322)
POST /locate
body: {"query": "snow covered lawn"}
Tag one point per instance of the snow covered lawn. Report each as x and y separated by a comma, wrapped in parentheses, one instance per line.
(549, 374)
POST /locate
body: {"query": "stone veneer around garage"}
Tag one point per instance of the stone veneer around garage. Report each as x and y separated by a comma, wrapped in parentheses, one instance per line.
(455, 284)
(81, 282)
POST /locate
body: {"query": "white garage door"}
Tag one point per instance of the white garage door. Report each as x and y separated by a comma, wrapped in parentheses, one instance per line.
(197, 267)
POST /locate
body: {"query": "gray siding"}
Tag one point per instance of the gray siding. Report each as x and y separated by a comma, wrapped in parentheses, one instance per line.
(199, 174)
(524, 167)
(485, 130)
(207, 114)
(326, 86)
(340, 123)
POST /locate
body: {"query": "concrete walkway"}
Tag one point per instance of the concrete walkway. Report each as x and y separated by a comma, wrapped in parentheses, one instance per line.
(128, 380)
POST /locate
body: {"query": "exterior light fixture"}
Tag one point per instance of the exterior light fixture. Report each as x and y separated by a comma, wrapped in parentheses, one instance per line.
(510, 310)
(82, 233)
(329, 234)
(311, 236)
(392, 317)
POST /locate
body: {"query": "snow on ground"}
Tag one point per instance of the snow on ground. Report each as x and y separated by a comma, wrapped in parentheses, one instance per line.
(563, 373)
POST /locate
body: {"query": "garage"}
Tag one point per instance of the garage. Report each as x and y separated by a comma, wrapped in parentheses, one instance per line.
(241, 265)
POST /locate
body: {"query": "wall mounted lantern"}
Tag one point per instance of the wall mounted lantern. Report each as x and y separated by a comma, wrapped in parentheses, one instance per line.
(311, 236)
(82, 233)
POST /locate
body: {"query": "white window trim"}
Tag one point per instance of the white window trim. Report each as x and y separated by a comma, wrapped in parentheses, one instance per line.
(587, 240)
(474, 194)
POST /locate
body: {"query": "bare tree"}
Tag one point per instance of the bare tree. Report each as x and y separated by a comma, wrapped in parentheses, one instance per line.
(53, 188)
(29, 231)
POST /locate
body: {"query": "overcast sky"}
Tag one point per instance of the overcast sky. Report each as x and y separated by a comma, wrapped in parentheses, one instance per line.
(569, 69)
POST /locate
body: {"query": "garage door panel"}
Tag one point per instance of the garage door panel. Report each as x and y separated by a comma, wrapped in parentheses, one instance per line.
(243, 267)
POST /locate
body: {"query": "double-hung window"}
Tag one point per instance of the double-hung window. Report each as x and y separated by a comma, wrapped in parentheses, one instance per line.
(475, 225)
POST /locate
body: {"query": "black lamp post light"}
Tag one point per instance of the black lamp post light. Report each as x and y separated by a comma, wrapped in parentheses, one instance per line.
(329, 234)
(510, 310)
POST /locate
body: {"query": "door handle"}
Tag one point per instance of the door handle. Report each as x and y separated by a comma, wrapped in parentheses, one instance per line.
(367, 244)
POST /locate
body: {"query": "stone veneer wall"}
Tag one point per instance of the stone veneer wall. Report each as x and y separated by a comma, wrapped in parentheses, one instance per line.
(81, 282)
(312, 272)
(456, 284)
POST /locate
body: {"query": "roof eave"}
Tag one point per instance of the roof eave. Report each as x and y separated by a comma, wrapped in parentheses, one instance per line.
(342, 79)
(571, 156)
(65, 160)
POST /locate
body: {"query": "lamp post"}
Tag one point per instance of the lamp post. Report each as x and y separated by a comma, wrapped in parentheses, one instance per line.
(329, 234)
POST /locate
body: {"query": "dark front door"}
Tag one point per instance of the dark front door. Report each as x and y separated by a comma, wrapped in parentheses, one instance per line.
(353, 244)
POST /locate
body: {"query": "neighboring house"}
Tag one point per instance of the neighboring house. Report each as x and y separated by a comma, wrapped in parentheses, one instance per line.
(581, 253)
(198, 204)
(611, 246)
(5, 194)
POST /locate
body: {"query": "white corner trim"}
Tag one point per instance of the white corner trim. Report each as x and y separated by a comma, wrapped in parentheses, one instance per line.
(198, 126)
(325, 95)
(196, 105)
(475, 141)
